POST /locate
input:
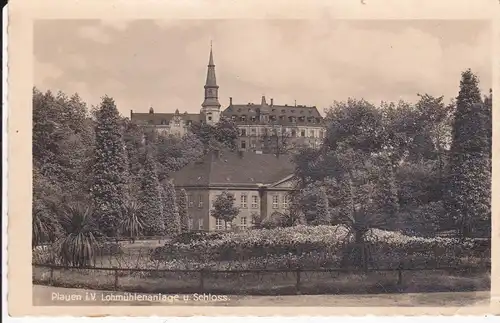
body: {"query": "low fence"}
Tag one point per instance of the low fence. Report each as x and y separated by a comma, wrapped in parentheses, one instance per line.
(389, 279)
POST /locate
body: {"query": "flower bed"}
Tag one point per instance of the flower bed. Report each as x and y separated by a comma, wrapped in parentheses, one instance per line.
(318, 246)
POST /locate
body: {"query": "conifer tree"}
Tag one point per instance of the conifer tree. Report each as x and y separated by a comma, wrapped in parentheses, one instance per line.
(322, 208)
(469, 174)
(150, 197)
(183, 210)
(172, 219)
(109, 180)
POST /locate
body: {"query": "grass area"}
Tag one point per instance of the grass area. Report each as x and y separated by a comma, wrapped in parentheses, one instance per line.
(268, 283)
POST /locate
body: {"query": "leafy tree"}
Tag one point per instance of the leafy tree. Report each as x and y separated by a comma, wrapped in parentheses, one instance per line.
(224, 208)
(150, 197)
(468, 191)
(183, 210)
(219, 136)
(275, 140)
(109, 181)
(172, 217)
(173, 152)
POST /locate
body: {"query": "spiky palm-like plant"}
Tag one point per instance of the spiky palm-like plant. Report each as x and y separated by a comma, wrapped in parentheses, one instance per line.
(45, 227)
(80, 238)
(132, 224)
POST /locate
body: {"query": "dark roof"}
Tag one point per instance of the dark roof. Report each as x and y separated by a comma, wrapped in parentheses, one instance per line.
(233, 169)
(280, 114)
(163, 118)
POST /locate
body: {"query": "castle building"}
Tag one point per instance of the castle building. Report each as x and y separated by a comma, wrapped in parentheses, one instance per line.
(263, 126)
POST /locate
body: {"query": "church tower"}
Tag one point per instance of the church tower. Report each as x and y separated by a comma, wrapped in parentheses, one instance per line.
(211, 106)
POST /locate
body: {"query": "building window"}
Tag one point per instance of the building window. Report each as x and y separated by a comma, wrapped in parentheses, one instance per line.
(255, 201)
(311, 133)
(243, 118)
(218, 224)
(294, 133)
(253, 144)
(243, 222)
(190, 224)
(302, 133)
(243, 144)
(233, 117)
(252, 130)
(209, 118)
(252, 118)
(200, 224)
(321, 134)
(243, 201)
(285, 201)
(243, 132)
(190, 200)
(275, 201)
(200, 201)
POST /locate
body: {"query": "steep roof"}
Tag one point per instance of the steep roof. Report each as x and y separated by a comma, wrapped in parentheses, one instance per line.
(285, 115)
(234, 169)
(163, 118)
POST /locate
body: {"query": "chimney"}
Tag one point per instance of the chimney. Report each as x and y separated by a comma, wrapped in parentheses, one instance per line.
(230, 101)
(131, 113)
(272, 101)
(217, 153)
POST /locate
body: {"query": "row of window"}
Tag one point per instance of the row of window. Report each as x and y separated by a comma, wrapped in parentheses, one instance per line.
(292, 119)
(276, 200)
(219, 224)
(293, 132)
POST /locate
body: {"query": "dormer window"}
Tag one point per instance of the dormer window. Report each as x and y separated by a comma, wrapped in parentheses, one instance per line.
(290, 119)
(243, 118)
(233, 117)
(301, 111)
(302, 119)
(293, 111)
(283, 111)
(164, 121)
(252, 118)
(282, 118)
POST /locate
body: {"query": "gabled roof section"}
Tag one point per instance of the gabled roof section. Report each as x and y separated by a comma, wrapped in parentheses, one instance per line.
(227, 168)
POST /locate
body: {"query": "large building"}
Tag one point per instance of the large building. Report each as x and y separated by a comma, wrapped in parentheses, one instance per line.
(261, 184)
(261, 126)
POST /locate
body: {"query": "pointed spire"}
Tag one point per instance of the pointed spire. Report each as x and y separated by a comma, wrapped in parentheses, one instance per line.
(211, 79)
(263, 102)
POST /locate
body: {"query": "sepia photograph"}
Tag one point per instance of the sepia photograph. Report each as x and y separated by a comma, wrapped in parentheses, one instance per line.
(261, 162)
(249, 159)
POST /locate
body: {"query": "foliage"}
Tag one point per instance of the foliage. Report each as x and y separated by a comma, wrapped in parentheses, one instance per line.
(469, 172)
(322, 209)
(173, 152)
(224, 209)
(109, 178)
(219, 136)
(150, 197)
(172, 218)
(183, 210)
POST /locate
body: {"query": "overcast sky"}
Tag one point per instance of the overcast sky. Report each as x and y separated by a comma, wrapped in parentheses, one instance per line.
(143, 63)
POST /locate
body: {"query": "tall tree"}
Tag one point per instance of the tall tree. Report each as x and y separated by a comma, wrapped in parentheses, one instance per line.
(183, 210)
(109, 180)
(224, 208)
(151, 198)
(172, 218)
(469, 181)
(323, 216)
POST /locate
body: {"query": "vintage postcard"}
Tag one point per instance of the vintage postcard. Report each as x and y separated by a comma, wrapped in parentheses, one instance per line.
(252, 158)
